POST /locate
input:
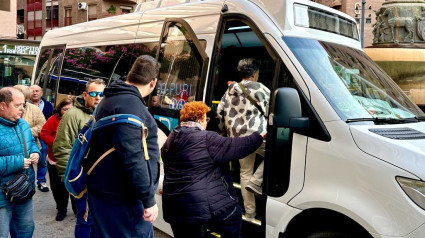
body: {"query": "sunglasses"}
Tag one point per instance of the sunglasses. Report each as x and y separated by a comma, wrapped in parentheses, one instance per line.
(94, 94)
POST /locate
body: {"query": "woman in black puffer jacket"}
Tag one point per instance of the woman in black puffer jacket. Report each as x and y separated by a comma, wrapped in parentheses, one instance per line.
(198, 188)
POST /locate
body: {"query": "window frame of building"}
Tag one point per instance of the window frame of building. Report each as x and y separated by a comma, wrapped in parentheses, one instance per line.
(67, 20)
(5, 5)
(90, 8)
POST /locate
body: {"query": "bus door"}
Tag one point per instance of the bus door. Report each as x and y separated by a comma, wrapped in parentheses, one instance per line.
(182, 74)
(239, 38)
(48, 71)
(181, 79)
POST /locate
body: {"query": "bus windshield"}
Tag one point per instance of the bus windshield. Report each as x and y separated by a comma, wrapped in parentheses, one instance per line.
(352, 83)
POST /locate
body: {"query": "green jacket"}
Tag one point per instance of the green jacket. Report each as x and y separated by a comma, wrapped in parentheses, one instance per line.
(69, 127)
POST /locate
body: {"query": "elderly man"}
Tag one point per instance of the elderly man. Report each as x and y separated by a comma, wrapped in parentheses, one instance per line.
(38, 100)
(18, 151)
(69, 127)
(47, 108)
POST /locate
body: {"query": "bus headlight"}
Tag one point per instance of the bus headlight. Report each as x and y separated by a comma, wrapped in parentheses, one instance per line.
(415, 190)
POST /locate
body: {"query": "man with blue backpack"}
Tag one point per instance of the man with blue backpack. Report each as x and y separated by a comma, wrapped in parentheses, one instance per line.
(121, 188)
(69, 127)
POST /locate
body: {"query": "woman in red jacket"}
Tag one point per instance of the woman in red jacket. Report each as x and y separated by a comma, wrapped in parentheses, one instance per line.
(47, 135)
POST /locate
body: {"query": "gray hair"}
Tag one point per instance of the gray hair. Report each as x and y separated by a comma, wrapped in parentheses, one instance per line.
(247, 67)
(94, 81)
(25, 90)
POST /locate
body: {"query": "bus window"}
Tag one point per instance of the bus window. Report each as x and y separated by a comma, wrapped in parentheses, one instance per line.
(179, 76)
(17, 58)
(47, 73)
(128, 54)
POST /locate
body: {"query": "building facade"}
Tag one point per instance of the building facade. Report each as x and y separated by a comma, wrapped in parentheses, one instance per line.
(8, 18)
(35, 17)
(354, 9)
(70, 13)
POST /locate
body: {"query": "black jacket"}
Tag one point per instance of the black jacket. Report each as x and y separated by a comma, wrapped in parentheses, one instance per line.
(124, 175)
(197, 183)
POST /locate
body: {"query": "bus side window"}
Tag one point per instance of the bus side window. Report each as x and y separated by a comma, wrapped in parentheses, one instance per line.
(68, 83)
(127, 55)
(109, 62)
(50, 62)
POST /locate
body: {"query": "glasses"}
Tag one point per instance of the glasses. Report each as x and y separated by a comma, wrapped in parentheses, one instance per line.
(94, 94)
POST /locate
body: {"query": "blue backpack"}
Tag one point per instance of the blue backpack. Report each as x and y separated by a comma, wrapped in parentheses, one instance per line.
(75, 176)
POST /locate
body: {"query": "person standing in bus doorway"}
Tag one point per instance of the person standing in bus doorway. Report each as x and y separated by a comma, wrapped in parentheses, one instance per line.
(242, 111)
(47, 108)
(15, 139)
(69, 127)
(121, 189)
(198, 187)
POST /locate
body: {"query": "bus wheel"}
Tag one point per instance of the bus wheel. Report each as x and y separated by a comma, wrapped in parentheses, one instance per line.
(328, 234)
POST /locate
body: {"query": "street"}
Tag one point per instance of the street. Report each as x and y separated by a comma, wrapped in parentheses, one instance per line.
(44, 216)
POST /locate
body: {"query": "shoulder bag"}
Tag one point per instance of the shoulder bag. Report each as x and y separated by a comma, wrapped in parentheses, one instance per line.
(19, 188)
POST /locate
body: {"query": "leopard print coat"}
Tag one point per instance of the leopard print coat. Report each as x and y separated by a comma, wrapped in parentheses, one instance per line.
(237, 115)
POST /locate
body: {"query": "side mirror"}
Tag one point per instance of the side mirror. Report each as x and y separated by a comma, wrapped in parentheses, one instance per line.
(287, 109)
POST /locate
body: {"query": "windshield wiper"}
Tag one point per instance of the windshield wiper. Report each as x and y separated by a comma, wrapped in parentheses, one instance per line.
(420, 118)
(383, 120)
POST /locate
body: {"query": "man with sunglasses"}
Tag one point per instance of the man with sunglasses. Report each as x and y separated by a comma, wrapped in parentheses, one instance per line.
(68, 129)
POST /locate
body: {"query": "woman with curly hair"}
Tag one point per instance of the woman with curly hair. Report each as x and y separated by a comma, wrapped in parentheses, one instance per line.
(198, 188)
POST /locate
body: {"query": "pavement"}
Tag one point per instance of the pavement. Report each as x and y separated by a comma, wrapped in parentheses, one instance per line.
(44, 216)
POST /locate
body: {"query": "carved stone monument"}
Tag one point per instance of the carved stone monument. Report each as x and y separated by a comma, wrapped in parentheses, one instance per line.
(399, 45)
(400, 22)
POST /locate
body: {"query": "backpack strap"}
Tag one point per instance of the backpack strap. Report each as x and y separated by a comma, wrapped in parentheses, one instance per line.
(253, 101)
(120, 119)
(129, 119)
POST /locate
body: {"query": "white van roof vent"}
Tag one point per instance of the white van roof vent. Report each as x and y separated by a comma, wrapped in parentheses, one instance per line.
(399, 133)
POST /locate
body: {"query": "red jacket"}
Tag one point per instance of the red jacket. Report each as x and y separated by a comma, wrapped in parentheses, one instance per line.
(48, 134)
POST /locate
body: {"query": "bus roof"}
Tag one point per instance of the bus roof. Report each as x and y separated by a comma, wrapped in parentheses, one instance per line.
(124, 28)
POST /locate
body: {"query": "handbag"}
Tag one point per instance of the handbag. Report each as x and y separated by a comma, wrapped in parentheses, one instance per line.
(19, 188)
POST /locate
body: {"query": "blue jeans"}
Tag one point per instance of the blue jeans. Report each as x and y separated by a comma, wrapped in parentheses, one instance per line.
(117, 218)
(18, 219)
(42, 164)
(82, 227)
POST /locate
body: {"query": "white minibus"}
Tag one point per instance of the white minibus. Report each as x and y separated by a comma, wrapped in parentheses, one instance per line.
(345, 149)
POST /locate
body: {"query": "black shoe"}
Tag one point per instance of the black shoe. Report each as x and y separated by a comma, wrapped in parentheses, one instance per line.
(43, 187)
(60, 216)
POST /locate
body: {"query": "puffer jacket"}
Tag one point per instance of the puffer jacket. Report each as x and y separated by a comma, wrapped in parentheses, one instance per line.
(69, 127)
(238, 115)
(198, 184)
(12, 151)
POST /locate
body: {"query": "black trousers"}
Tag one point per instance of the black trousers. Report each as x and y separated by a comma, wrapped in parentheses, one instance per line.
(60, 194)
(227, 224)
